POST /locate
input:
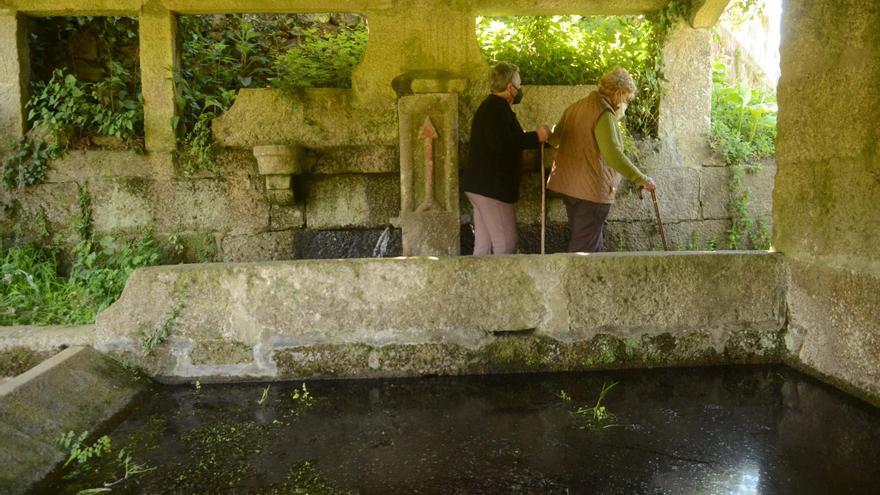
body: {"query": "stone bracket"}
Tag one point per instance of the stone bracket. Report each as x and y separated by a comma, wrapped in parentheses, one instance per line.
(278, 164)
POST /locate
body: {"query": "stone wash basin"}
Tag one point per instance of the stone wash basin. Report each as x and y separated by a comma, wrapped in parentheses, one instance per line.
(680, 429)
(721, 430)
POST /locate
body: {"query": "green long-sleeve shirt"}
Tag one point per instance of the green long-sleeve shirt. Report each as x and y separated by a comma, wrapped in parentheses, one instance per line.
(611, 146)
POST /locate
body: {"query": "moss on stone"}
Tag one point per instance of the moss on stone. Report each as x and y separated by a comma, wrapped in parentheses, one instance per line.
(754, 346)
(220, 352)
(16, 360)
(136, 186)
(521, 353)
(322, 360)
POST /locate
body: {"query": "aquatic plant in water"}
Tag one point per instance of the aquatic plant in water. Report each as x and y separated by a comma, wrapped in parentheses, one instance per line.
(82, 461)
(264, 396)
(597, 416)
(303, 396)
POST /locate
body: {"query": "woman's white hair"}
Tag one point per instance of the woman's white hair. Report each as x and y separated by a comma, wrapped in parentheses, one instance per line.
(617, 83)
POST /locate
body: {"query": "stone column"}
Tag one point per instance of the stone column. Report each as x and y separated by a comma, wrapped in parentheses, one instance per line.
(14, 72)
(158, 53)
(429, 216)
(685, 108)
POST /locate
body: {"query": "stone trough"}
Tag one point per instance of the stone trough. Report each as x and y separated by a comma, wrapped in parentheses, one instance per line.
(455, 315)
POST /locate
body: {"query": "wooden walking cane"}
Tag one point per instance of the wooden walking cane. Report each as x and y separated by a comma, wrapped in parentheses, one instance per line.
(543, 201)
(659, 221)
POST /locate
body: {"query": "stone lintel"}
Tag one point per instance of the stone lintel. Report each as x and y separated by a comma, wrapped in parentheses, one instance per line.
(158, 55)
(562, 7)
(275, 6)
(46, 8)
(705, 13)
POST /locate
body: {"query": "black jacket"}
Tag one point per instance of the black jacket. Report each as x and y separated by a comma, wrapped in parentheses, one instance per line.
(495, 160)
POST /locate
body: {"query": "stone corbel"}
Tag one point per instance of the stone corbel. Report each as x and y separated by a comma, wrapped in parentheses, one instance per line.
(278, 163)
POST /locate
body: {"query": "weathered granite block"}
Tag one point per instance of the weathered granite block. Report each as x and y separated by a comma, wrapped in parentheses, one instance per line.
(75, 390)
(340, 201)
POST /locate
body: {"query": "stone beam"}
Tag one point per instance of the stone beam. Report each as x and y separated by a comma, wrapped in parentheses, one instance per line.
(75, 7)
(13, 76)
(158, 54)
(275, 6)
(705, 13)
(477, 7)
(562, 7)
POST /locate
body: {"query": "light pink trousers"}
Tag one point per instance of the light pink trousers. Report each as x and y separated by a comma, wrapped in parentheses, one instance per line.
(494, 225)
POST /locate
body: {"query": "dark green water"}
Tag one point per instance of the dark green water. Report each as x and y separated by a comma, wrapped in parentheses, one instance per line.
(739, 430)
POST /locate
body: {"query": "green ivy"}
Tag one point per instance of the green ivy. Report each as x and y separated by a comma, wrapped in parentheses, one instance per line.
(321, 60)
(221, 55)
(107, 99)
(569, 50)
(35, 288)
(26, 163)
(64, 109)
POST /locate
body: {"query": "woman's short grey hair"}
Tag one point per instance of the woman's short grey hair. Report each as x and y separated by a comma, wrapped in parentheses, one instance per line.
(501, 75)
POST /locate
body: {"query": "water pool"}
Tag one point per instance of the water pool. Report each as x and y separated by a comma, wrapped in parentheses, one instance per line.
(761, 429)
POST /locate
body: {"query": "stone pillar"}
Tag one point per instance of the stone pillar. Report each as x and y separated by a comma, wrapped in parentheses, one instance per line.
(14, 72)
(158, 54)
(416, 35)
(686, 107)
(429, 217)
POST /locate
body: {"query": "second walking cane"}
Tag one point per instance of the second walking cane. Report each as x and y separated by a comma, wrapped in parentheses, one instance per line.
(543, 201)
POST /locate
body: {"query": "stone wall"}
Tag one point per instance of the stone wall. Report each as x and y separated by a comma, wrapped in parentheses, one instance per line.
(353, 189)
(350, 195)
(452, 315)
(825, 214)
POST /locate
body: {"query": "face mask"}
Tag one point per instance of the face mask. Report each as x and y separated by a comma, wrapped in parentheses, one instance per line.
(621, 111)
(519, 96)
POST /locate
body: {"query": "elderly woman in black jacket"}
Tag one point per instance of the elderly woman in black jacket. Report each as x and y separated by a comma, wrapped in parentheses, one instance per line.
(491, 180)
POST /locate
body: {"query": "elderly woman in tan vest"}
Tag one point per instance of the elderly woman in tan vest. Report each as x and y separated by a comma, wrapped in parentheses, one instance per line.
(590, 159)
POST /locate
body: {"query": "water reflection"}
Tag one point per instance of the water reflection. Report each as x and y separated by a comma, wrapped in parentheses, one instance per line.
(694, 431)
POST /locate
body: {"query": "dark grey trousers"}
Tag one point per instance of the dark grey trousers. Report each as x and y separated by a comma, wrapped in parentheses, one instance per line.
(585, 219)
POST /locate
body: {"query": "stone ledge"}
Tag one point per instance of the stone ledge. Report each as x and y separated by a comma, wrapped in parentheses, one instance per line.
(46, 338)
(76, 390)
(445, 304)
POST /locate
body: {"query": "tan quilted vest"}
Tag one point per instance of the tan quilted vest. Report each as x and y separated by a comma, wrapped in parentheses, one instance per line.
(579, 170)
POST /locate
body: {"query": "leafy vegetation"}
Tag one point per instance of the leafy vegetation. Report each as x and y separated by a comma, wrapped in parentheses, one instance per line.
(303, 397)
(92, 88)
(579, 50)
(27, 162)
(36, 288)
(743, 120)
(150, 340)
(744, 132)
(82, 461)
(597, 415)
(223, 54)
(79, 454)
